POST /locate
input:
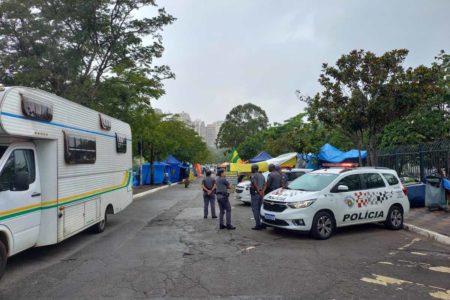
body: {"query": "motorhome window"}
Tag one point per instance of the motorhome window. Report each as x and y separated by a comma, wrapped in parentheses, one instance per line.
(79, 150)
(36, 110)
(105, 124)
(19, 161)
(2, 150)
(121, 143)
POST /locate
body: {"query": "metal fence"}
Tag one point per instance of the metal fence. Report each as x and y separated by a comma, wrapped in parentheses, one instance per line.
(417, 161)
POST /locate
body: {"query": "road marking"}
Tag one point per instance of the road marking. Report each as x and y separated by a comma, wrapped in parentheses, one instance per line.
(384, 280)
(441, 295)
(385, 263)
(440, 269)
(409, 244)
(248, 248)
(419, 253)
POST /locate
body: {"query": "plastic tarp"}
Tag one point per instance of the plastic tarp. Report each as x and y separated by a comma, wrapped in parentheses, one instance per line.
(146, 174)
(331, 154)
(158, 172)
(262, 156)
(174, 170)
(247, 168)
(287, 160)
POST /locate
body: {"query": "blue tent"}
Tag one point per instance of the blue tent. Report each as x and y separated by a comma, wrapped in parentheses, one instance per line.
(331, 154)
(158, 172)
(174, 168)
(146, 174)
(262, 156)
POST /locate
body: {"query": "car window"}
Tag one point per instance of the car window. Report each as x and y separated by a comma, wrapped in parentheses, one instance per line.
(391, 179)
(312, 182)
(18, 161)
(373, 181)
(291, 176)
(352, 181)
(2, 150)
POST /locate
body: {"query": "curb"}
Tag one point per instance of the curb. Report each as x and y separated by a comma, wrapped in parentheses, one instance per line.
(137, 196)
(440, 238)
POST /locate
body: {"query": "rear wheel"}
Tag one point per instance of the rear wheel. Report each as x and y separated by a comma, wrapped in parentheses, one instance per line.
(100, 226)
(394, 218)
(322, 226)
(3, 258)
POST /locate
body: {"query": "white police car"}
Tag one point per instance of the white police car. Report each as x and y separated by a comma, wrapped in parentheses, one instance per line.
(322, 200)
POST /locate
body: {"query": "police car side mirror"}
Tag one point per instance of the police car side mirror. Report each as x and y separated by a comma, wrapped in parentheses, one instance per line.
(342, 188)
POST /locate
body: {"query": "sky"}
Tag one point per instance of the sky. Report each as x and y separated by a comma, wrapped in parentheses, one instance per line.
(230, 52)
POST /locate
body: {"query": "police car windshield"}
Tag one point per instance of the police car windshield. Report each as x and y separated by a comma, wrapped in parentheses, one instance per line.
(2, 150)
(312, 182)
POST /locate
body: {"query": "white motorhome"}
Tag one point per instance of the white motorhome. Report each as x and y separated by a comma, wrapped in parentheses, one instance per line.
(63, 168)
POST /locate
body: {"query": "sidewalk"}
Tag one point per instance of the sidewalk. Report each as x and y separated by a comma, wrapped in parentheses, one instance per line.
(433, 224)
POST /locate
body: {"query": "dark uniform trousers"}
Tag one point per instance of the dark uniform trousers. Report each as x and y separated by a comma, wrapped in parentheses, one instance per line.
(256, 208)
(209, 200)
(224, 207)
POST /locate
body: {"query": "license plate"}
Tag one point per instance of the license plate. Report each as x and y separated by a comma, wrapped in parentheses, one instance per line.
(269, 217)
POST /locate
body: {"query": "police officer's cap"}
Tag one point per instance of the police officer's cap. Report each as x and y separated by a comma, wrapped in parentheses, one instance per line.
(255, 168)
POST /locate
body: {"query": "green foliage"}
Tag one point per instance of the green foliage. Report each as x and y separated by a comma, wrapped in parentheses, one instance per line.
(80, 49)
(431, 119)
(242, 121)
(163, 135)
(294, 135)
(363, 93)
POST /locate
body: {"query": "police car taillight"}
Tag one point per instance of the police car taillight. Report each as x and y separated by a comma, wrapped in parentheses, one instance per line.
(405, 190)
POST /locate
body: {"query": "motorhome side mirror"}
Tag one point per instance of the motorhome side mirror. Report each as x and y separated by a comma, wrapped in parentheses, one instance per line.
(21, 181)
(342, 188)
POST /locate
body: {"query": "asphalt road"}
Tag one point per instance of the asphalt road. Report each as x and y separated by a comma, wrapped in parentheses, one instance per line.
(161, 247)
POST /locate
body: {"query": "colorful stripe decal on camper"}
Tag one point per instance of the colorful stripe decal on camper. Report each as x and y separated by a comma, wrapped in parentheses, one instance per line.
(6, 214)
(59, 125)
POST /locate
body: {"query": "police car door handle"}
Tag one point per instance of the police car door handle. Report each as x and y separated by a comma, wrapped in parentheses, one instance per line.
(35, 195)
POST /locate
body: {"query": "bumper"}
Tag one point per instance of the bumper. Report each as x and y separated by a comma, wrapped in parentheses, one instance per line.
(244, 197)
(292, 219)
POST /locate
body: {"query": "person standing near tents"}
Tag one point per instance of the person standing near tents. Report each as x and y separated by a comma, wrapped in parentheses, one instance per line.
(273, 180)
(209, 197)
(222, 186)
(284, 178)
(257, 183)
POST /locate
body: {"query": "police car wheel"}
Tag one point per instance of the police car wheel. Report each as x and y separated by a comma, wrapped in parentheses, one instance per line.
(322, 226)
(394, 218)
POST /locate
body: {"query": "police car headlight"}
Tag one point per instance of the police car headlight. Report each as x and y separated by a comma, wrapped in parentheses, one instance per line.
(301, 204)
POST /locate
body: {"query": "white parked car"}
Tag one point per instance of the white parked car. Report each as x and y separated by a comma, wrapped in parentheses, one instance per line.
(322, 200)
(242, 192)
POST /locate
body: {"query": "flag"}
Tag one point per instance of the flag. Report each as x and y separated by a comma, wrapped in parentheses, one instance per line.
(234, 157)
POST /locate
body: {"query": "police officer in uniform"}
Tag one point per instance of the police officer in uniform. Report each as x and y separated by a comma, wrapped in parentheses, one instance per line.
(209, 197)
(284, 178)
(257, 194)
(222, 186)
(273, 180)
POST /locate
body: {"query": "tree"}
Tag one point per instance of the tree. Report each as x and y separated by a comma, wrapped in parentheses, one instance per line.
(294, 135)
(431, 119)
(79, 49)
(242, 121)
(364, 92)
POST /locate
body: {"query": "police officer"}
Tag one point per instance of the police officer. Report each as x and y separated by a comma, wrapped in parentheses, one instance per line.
(284, 178)
(273, 180)
(257, 183)
(222, 186)
(209, 197)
